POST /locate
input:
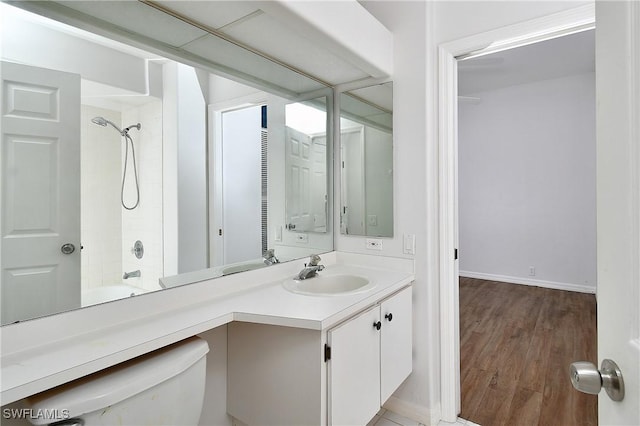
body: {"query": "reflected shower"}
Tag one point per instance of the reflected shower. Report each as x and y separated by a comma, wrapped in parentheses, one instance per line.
(101, 121)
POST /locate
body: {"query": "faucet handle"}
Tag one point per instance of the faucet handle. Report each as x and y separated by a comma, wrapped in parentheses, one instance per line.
(269, 253)
(314, 259)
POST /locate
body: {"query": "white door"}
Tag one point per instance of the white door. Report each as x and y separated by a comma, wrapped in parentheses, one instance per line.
(299, 165)
(618, 201)
(40, 207)
(396, 358)
(354, 370)
(318, 191)
(241, 185)
(352, 145)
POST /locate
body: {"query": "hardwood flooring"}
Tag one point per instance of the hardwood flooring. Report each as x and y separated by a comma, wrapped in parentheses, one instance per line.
(516, 345)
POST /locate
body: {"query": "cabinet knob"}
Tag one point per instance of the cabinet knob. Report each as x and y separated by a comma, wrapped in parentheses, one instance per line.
(377, 325)
(389, 316)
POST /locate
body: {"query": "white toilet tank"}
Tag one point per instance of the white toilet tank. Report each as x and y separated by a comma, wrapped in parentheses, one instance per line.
(164, 387)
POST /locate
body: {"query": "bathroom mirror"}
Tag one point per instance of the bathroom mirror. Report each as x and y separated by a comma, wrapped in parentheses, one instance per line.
(366, 152)
(138, 195)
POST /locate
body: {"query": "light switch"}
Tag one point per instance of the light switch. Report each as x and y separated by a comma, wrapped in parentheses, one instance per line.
(409, 244)
(277, 235)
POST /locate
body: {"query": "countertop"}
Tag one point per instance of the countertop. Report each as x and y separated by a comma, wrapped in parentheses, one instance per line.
(44, 357)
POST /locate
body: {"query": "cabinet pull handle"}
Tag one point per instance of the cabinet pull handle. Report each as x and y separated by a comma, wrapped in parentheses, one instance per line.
(389, 317)
(377, 325)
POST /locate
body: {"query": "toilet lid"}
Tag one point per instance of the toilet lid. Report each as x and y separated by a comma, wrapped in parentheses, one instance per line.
(117, 383)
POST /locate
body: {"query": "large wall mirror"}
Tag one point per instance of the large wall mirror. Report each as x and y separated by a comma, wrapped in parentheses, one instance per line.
(366, 152)
(126, 163)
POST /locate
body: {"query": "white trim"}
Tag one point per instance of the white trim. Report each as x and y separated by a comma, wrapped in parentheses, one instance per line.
(419, 413)
(634, 111)
(555, 25)
(528, 281)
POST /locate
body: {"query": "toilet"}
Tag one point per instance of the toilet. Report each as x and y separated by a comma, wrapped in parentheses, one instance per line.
(164, 387)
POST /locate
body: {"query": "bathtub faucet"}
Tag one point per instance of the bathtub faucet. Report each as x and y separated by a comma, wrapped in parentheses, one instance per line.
(131, 274)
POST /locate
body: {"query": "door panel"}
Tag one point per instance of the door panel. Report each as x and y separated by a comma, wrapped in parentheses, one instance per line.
(299, 166)
(241, 185)
(618, 201)
(354, 370)
(40, 173)
(396, 360)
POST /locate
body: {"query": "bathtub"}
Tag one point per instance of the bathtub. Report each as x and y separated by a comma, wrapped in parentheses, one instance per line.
(107, 293)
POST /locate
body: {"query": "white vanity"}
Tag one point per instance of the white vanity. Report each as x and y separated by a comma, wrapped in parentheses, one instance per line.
(338, 375)
(292, 358)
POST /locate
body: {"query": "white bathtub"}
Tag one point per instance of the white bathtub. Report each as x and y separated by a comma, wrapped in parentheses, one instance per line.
(107, 293)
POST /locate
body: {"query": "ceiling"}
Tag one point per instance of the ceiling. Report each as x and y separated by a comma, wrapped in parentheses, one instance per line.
(560, 57)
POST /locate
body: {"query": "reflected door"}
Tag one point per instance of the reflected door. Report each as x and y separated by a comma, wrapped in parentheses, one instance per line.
(241, 185)
(299, 166)
(353, 184)
(318, 203)
(40, 257)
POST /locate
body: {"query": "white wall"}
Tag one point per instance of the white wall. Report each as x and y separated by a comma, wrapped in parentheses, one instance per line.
(192, 176)
(418, 29)
(101, 220)
(527, 183)
(409, 22)
(378, 151)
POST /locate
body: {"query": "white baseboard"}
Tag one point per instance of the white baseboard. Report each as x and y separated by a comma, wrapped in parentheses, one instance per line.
(412, 411)
(527, 281)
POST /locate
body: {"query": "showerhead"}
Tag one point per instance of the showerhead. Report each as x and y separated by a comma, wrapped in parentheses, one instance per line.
(101, 121)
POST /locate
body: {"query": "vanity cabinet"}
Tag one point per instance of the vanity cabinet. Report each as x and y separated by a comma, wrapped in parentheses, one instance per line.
(339, 376)
(370, 356)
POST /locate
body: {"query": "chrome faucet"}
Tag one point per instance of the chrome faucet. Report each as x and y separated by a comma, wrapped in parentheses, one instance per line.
(270, 257)
(310, 269)
(131, 274)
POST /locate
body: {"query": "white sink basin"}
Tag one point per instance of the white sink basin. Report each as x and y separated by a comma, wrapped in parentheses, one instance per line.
(329, 285)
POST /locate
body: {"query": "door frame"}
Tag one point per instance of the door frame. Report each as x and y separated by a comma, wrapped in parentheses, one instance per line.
(521, 34)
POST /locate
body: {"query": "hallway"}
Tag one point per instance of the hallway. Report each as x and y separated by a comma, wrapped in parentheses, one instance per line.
(516, 345)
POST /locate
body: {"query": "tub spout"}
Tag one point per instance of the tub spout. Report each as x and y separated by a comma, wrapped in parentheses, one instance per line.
(131, 274)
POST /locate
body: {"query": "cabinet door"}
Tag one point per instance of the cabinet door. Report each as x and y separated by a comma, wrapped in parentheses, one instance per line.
(354, 370)
(396, 342)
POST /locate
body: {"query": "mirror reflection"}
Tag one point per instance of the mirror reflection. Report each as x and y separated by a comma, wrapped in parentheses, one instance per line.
(121, 167)
(366, 152)
(305, 163)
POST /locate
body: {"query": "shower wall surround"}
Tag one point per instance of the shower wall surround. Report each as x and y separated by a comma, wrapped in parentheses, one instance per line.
(108, 230)
(101, 218)
(144, 223)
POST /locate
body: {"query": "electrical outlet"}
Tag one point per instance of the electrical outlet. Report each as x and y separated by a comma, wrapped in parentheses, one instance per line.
(532, 271)
(372, 220)
(374, 244)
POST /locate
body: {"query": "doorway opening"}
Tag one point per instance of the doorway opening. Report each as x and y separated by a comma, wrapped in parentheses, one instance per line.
(527, 230)
(551, 27)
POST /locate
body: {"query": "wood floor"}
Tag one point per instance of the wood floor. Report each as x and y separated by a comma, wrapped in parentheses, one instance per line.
(516, 345)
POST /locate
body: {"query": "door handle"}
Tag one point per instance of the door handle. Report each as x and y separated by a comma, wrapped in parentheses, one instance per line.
(67, 248)
(586, 378)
